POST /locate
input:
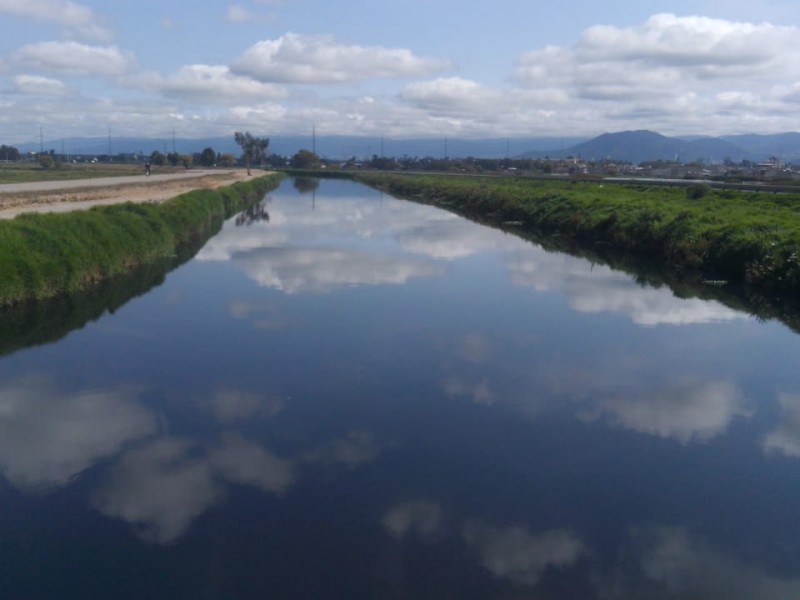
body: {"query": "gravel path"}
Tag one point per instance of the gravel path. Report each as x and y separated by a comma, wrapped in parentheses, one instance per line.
(73, 184)
(63, 196)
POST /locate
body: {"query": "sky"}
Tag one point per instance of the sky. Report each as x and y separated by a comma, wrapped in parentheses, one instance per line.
(432, 68)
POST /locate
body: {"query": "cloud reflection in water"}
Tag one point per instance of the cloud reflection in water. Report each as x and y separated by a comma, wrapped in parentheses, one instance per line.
(47, 437)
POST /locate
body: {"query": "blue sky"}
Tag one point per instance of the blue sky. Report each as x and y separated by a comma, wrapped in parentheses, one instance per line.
(506, 69)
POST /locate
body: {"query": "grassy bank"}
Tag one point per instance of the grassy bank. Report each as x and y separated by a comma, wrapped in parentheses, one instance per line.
(46, 255)
(28, 172)
(740, 237)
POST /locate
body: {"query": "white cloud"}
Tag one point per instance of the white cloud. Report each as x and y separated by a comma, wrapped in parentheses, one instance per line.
(598, 288)
(513, 553)
(245, 463)
(239, 15)
(674, 564)
(294, 58)
(77, 19)
(785, 439)
(420, 518)
(35, 85)
(207, 84)
(449, 237)
(160, 488)
(669, 73)
(323, 270)
(231, 405)
(693, 411)
(47, 438)
(74, 58)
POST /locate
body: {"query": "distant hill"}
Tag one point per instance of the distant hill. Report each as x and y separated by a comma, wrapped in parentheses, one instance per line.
(643, 145)
(629, 146)
(785, 146)
(333, 147)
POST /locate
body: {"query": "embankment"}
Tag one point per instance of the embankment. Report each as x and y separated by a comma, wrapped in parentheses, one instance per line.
(743, 238)
(47, 255)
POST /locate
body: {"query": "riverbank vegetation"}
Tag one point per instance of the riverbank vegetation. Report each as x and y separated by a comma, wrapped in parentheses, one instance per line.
(47, 255)
(744, 238)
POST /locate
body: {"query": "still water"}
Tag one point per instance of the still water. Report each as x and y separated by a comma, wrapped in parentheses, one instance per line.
(349, 395)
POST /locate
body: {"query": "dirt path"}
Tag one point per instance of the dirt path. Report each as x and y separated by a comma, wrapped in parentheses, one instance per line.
(63, 196)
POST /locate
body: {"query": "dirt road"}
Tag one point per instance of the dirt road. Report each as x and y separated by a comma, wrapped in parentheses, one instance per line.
(62, 196)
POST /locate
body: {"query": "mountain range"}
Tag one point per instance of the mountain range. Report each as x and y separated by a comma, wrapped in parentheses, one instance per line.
(628, 146)
(642, 145)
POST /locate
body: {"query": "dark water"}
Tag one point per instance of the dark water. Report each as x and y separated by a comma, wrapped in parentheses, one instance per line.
(362, 397)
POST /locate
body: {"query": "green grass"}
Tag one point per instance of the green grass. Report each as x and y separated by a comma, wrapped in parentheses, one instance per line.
(46, 255)
(742, 237)
(29, 172)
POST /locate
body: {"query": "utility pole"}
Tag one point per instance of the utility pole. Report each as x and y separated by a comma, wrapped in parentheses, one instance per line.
(173, 141)
(41, 141)
(314, 139)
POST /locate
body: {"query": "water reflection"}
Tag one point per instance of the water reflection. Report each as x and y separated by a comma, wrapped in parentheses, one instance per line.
(232, 405)
(597, 288)
(48, 437)
(322, 270)
(254, 214)
(514, 553)
(785, 439)
(672, 563)
(422, 519)
(688, 411)
(468, 418)
(160, 488)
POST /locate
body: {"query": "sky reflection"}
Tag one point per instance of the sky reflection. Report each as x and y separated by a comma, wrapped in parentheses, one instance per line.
(375, 397)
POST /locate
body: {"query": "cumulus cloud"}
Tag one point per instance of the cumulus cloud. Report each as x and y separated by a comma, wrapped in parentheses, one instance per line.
(207, 84)
(322, 270)
(670, 70)
(232, 405)
(35, 85)
(47, 438)
(449, 237)
(77, 19)
(673, 563)
(74, 58)
(515, 554)
(246, 463)
(162, 487)
(420, 518)
(294, 58)
(785, 439)
(598, 288)
(693, 411)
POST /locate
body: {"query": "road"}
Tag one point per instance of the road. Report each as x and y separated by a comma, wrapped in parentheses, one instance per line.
(79, 194)
(98, 182)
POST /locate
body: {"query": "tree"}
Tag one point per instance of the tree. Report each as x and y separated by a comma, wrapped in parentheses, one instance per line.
(9, 153)
(226, 160)
(157, 158)
(304, 159)
(208, 157)
(253, 149)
